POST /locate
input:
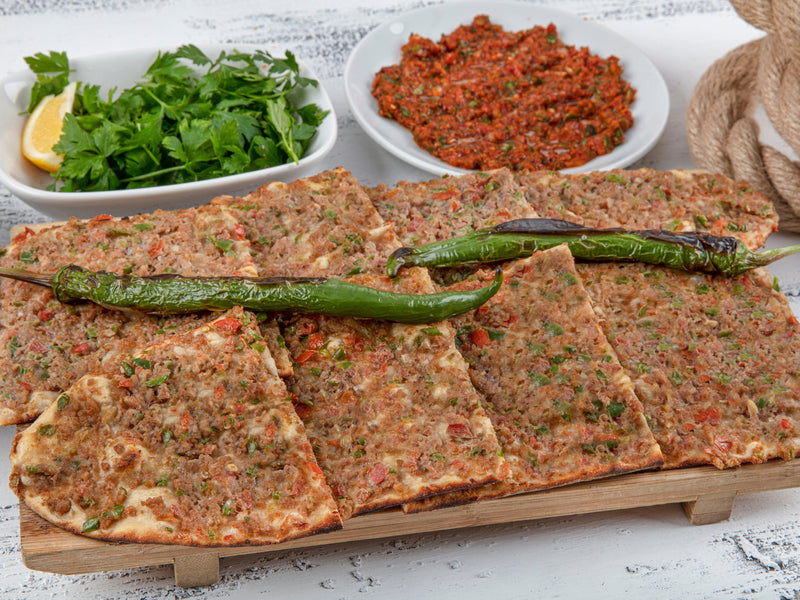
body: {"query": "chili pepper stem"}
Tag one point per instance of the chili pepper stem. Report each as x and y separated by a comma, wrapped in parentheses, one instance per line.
(766, 257)
(28, 276)
(397, 260)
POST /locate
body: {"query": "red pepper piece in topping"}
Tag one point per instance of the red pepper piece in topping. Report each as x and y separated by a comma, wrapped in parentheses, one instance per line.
(312, 464)
(315, 341)
(24, 234)
(378, 473)
(156, 248)
(479, 337)
(81, 349)
(459, 430)
(305, 355)
(711, 416)
(228, 324)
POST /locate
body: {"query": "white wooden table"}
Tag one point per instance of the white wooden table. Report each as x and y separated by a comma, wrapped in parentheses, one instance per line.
(650, 552)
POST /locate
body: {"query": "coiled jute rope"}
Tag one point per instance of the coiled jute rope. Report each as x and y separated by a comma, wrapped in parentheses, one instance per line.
(724, 136)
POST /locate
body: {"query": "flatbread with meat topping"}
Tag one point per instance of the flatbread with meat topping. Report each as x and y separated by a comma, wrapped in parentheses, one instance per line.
(676, 200)
(563, 408)
(714, 360)
(387, 406)
(46, 346)
(437, 209)
(188, 441)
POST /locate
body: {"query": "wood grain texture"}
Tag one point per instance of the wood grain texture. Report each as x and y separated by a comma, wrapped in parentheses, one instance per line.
(710, 508)
(46, 547)
(196, 570)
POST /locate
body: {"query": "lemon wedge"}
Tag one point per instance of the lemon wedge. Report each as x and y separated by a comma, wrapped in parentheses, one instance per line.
(44, 127)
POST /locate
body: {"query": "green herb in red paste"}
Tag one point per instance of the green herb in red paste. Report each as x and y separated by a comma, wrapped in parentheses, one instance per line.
(484, 98)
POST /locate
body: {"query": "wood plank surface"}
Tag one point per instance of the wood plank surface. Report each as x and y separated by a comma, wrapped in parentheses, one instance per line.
(46, 547)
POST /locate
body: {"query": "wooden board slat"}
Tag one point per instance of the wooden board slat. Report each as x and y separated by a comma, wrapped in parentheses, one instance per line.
(46, 547)
(710, 509)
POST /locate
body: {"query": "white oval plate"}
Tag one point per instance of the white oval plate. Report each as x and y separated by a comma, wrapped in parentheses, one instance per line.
(122, 70)
(381, 47)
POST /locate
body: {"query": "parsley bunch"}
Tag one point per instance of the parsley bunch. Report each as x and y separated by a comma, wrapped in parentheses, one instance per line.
(180, 124)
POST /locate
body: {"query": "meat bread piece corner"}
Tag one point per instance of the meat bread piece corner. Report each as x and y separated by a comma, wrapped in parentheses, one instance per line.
(189, 441)
(319, 226)
(677, 200)
(46, 346)
(437, 209)
(389, 408)
(714, 360)
(562, 406)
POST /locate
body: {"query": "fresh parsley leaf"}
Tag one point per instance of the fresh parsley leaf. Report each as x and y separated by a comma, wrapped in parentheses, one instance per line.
(52, 75)
(55, 62)
(192, 53)
(189, 118)
(282, 121)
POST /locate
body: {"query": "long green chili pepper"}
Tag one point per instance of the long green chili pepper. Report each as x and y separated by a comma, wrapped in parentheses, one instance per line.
(522, 237)
(165, 294)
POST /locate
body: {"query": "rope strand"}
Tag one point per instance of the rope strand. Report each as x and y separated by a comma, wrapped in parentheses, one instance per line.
(724, 137)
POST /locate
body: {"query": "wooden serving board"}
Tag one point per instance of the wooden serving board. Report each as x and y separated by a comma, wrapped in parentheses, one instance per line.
(707, 495)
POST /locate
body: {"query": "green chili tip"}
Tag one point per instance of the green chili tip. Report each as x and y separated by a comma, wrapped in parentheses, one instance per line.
(397, 260)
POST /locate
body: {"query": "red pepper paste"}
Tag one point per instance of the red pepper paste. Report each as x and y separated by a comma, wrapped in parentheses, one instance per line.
(484, 98)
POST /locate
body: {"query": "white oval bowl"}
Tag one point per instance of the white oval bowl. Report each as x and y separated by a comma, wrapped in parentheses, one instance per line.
(122, 70)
